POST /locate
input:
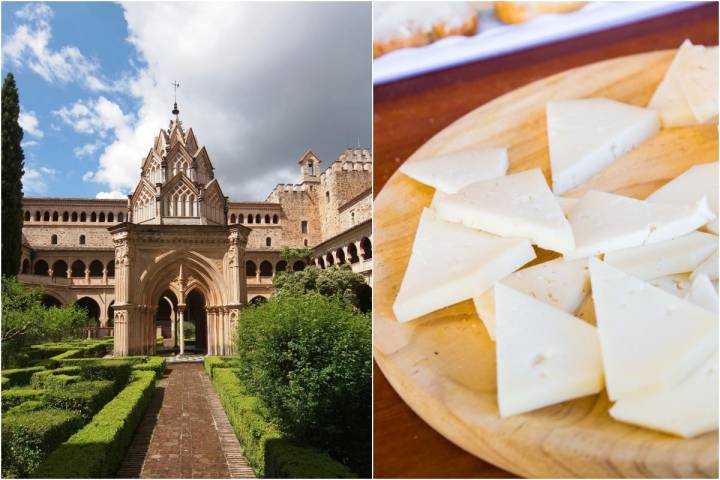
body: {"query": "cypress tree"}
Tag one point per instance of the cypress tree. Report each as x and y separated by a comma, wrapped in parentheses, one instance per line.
(13, 162)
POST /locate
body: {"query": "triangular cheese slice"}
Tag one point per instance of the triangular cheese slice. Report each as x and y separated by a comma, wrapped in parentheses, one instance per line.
(561, 284)
(668, 98)
(450, 263)
(519, 205)
(677, 284)
(690, 187)
(604, 222)
(708, 267)
(544, 355)
(567, 203)
(587, 135)
(650, 339)
(687, 409)
(678, 255)
(450, 172)
(699, 83)
(703, 294)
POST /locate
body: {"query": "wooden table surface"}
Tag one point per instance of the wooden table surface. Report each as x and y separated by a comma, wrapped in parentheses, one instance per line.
(407, 113)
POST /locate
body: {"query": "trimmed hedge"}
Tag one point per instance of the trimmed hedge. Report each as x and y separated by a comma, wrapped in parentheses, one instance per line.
(12, 397)
(268, 452)
(211, 363)
(29, 436)
(86, 397)
(27, 406)
(154, 364)
(116, 369)
(42, 379)
(19, 376)
(97, 450)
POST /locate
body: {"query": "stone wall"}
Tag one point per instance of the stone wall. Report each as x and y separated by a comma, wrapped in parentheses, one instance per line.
(341, 184)
(40, 236)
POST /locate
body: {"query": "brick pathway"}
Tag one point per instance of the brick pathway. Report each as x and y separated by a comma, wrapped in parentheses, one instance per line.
(185, 433)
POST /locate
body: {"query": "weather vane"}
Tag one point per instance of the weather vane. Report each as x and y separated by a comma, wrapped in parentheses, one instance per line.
(175, 85)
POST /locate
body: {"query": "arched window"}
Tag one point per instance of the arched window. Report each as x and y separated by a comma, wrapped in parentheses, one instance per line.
(77, 269)
(250, 268)
(53, 239)
(257, 218)
(366, 247)
(266, 269)
(82, 239)
(352, 253)
(96, 268)
(305, 242)
(55, 216)
(25, 266)
(66, 216)
(101, 217)
(240, 218)
(46, 216)
(83, 217)
(74, 217)
(120, 217)
(340, 256)
(37, 215)
(268, 241)
(93, 217)
(276, 219)
(281, 266)
(41, 268)
(111, 269)
(27, 215)
(250, 218)
(327, 197)
(267, 218)
(329, 259)
(321, 262)
(233, 218)
(298, 266)
(60, 269)
(111, 217)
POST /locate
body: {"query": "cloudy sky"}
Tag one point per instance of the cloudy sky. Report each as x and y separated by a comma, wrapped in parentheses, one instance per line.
(259, 83)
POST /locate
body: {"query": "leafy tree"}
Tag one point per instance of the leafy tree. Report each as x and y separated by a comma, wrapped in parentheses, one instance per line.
(13, 162)
(287, 253)
(308, 359)
(333, 281)
(25, 320)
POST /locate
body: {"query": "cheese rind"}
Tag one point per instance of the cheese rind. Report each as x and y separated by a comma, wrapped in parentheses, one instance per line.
(689, 187)
(650, 339)
(587, 135)
(450, 172)
(603, 222)
(519, 205)
(677, 255)
(544, 355)
(564, 285)
(687, 409)
(450, 263)
(703, 294)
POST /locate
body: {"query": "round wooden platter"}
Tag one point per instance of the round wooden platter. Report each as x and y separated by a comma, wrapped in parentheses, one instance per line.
(443, 364)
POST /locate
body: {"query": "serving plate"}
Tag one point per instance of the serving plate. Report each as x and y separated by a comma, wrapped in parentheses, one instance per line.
(443, 364)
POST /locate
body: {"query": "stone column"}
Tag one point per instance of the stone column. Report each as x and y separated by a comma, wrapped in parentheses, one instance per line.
(210, 316)
(105, 276)
(173, 322)
(87, 276)
(181, 326)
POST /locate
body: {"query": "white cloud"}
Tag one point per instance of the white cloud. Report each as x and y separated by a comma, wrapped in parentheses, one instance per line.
(86, 150)
(35, 181)
(29, 46)
(29, 143)
(88, 176)
(260, 83)
(114, 195)
(30, 124)
(95, 117)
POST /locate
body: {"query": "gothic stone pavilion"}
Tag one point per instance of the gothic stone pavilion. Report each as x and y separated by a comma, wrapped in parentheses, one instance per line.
(177, 249)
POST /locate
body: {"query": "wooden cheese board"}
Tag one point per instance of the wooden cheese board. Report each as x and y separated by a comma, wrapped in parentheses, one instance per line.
(443, 364)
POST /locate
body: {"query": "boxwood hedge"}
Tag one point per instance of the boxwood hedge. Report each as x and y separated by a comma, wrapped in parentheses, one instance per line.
(268, 452)
(97, 450)
(44, 378)
(12, 397)
(154, 364)
(19, 376)
(86, 397)
(28, 436)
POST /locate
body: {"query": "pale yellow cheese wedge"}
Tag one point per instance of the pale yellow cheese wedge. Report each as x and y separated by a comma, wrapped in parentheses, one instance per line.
(708, 267)
(702, 293)
(519, 205)
(544, 355)
(677, 284)
(650, 339)
(564, 285)
(699, 83)
(450, 263)
(687, 409)
(668, 99)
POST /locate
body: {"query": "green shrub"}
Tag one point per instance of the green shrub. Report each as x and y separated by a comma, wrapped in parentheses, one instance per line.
(155, 364)
(39, 379)
(27, 406)
(12, 397)
(74, 353)
(211, 363)
(269, 453)
(5, 382)
(116, 369)
(308, 359)
(86, 397)
(27, 438)
(97, 450)
(19, 376)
